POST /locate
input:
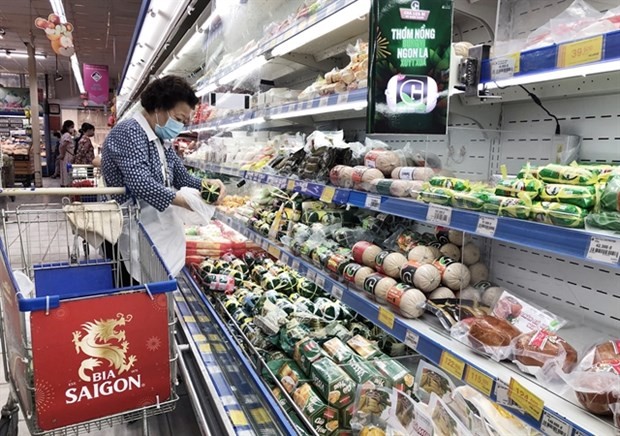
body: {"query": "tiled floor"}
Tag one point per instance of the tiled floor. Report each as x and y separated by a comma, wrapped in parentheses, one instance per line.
(48, 242)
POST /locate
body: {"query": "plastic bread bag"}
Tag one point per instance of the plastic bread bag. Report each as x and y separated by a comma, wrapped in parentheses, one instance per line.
(558, 214)
(486, 334)
(517, 187)
(609, 221)
(450, 311)
(567, 175)
(431, 380)
(371, 407)
(572, 23)
(408, 416)
(445, 422)
(526, 317)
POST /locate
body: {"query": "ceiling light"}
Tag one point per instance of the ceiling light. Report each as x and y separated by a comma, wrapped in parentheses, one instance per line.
(21, 55)
(244, 70)
(75, 66)
(335, 21)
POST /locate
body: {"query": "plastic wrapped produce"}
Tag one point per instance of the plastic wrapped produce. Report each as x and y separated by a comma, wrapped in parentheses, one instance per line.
(603, 220)
(558, 214)
(473, 200)
(567, 174)
(507, 206)
(582, 196)
(436, 195)
(450, 183)
(610, 197)
(517, 187)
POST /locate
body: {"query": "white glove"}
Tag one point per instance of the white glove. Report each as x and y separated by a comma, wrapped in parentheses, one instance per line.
(201, 213)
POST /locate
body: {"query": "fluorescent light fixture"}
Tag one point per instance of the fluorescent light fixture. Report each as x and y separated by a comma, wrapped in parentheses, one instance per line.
(566, 73)
(335, 21)
(59, 10)
(244, 70)
(75, 66)
(210, 87)
(12, 54)
(353, 105)
(243, 123)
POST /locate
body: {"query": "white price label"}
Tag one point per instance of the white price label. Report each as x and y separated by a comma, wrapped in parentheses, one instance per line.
(604, 250)
(285, 258)
(343, 98)
(487, 225)
(501, 393)
(554, 426)
(411, 340)
(311, 275)
(373, 202)
(264, 244)
(406, 173)
(320, 281)
(337, 292)
(441, 215)
(503, 68)
(323, 101)
(295, 265)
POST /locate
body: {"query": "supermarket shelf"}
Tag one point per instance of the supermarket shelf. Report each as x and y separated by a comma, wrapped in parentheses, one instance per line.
(576, 243)
(482, 373)
(342, 105)
(302, 33)
(226, 368)
(572, 59)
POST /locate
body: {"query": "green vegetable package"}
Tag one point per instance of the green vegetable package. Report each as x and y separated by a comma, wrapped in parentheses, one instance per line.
(558, 214)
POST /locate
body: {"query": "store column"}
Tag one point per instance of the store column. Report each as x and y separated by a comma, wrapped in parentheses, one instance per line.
(34, 115)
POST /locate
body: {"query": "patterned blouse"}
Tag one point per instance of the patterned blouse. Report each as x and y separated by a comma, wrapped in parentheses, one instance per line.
(85, 152)
(129, 158)
(66, 144)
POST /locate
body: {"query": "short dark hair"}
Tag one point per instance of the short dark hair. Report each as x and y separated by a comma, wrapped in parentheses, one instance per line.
(165, 93)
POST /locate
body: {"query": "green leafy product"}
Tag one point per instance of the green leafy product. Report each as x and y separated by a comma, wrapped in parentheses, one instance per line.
(507, 206)
(582, 196)
(436, 195)
(558, 214)
(610, 197)
(528, 172)
(515, 188)
(567, 175)
(474, 200)
(604, 220)
(450, 183)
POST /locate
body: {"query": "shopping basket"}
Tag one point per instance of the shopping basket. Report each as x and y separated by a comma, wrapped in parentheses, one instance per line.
(84, 176)
(79, 352)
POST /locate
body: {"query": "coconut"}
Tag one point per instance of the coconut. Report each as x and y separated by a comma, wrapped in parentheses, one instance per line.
(427, 278)
(471, 254)
(422, 254)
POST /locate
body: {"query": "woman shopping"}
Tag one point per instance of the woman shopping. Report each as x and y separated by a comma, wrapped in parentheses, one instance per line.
(85, 152)
(137, 155)
(66, 150)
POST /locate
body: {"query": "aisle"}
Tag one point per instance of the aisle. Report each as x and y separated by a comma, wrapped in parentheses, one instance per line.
(179, 422)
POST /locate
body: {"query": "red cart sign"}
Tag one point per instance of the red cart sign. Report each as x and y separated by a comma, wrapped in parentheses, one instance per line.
(93, 359)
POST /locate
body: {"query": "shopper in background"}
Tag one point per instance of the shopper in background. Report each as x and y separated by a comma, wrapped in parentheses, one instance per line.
(85, 152)
(66, 150)
(137, 155)
(55, 161)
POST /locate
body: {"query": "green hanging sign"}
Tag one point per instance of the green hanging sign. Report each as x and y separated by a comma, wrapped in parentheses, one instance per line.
(409, 66)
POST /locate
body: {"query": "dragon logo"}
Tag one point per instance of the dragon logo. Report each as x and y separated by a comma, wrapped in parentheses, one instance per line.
(104, 342)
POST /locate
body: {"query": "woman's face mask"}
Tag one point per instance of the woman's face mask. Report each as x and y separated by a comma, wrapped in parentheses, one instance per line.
(170, 130)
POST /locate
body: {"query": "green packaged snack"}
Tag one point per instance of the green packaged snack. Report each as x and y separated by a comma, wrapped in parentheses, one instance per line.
(528, 172)
(281, 399)
(288, 373)
(333, 383)
(604, 220)
(364, 347)
(436, 195)
(507, 206)
(363, 372)
(610, 196)
(450, 183)
(337, 350)
(306, 352)
(473, 200)
(567, 174)
(517, 187)
(582, 196)
(603, 172)
(558, 214)
(397, 376)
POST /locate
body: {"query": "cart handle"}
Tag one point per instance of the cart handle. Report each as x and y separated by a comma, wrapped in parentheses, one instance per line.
(61, 192)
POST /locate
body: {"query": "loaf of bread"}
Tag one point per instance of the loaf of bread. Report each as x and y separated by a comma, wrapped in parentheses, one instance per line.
(537, 347)
(599, 387)
(488, 331)
(609, 350)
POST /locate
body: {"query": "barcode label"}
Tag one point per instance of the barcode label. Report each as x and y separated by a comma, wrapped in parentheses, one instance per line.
(337, 292)
(604, 250)
(320, 281)
(285, 258)
(373, 202)
(412, 340)
(486, 226)
(295, 265)
(343, 98)
(441, 215)
(406, 173)
(502, 68)
(311, 275)
(323, 101)
(554, 426)
(501, 393)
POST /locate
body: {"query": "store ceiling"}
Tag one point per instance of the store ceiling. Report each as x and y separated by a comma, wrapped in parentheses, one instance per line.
(94, 40)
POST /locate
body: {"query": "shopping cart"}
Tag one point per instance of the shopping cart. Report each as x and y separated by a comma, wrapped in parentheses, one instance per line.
(80, 353)
(84, 176)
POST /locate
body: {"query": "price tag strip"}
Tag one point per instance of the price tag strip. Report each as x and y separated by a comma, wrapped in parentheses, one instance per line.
(328, 194)
(386, 317)
(452, 364)
(604, 250)
(337, 292)
(373, 202)
(580, 52)
(487, 226)
(412, 340)
(524, 398)
(553, 425)
(440, 215)
(479, 380)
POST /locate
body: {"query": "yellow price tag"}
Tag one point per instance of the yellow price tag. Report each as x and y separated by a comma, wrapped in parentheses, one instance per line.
(517, 58)
(213, 338)
(219, 348)
(386, 317)
(205, 348)
(328, 194)
(290, 185)
(238, 418)
(452, 364)
(525, 399)
(199, 338)
(203, 318)
(580, 52)
(274, 251)
(479, 380)
(260, 415)
(189, 318)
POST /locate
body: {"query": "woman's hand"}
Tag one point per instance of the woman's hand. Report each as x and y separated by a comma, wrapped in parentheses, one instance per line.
(179, 200)
(220, 185)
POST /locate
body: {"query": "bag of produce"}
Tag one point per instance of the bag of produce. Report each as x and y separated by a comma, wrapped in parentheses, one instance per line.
(582, 196)
(436, 195)
(558, 214)
(473, 200)
(604, 220)
(515, 188)
(610, 197)
(567, 174)
(507, 206)
(450, 183)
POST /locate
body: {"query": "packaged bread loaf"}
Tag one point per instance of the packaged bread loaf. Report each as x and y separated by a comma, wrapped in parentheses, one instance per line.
(487, 334)
(540, 346)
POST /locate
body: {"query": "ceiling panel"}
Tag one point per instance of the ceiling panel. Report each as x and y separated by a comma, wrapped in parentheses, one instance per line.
(94, 41)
